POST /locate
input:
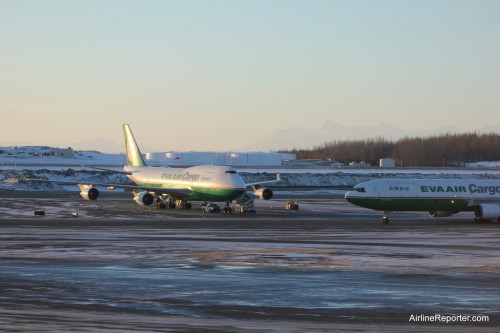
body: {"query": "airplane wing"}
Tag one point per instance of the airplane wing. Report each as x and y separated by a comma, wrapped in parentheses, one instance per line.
(177, 192)
(475, 202)
(257, 184)
(109, 170)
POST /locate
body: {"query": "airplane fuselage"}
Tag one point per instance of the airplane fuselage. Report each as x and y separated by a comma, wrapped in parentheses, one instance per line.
(204, 183)
(451, 195)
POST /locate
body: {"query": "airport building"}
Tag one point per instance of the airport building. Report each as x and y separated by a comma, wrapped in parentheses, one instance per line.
(62, 152)
(37, 151)
(387, 163)
(228, 158)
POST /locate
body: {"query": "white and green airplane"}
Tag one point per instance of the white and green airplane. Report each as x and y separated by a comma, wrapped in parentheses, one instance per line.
(208, 183)
(439, 197)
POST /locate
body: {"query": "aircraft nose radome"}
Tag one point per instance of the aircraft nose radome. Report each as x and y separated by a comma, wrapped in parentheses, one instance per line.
(348, 194)
(351, 196)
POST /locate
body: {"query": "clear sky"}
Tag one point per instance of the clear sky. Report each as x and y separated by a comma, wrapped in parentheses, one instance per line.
(218, 75)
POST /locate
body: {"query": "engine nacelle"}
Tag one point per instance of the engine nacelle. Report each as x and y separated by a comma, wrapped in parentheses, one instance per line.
(89, 192)
(440, 213)
(263, 193)
(144, 199)
(487, 212)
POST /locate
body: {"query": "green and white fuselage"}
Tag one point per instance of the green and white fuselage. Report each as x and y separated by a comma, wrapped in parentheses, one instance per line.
(440, 197)
(198, 183)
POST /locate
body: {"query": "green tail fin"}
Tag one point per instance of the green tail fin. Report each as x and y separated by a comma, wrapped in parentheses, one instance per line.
(134, 156)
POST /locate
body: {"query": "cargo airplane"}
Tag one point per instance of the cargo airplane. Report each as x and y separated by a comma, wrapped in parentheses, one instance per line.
(209, 183)
(439, 197)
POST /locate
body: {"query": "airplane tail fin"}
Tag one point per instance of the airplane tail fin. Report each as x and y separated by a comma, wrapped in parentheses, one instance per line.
(134, 156)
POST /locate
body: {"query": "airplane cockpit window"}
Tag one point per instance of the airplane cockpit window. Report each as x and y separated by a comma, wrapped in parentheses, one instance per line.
(231, 171)
(360, 189)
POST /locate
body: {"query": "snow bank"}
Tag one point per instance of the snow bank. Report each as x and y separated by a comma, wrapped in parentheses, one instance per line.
(22, 160)
(12, 178)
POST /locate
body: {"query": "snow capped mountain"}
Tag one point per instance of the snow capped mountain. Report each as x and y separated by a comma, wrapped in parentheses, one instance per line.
(300, 137)
(98, 144)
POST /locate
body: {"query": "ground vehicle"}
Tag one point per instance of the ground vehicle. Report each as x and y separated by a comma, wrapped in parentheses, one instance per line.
(210, 208)
(244, 209)
(292, 205)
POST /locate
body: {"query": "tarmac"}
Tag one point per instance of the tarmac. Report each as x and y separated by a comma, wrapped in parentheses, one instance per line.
(328, 267)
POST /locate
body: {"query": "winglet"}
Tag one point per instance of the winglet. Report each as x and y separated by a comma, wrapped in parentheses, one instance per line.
(22, 177)
(134, 156)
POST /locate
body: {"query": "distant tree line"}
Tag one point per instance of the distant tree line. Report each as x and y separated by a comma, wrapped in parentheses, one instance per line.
(447, 149)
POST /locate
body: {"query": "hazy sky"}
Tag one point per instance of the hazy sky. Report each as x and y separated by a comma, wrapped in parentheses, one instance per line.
(218, 75)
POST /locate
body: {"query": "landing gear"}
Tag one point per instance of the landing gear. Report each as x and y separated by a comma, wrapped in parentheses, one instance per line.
(227, 208)
(182, 204)
(162, 203)
(385, 220)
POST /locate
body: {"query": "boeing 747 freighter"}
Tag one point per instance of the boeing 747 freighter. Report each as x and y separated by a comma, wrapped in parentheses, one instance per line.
(208, 183)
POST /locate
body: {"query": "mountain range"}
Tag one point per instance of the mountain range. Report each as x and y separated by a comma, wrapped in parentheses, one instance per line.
(301, 138)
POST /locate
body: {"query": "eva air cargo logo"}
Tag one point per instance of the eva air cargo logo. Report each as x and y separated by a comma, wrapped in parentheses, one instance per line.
(472, 188)
(443, 189)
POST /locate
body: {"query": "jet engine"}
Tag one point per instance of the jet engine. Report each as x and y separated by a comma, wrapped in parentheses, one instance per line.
(441, 213)
(89, 192)
(487, 212)
(144, 198)
(263, 193)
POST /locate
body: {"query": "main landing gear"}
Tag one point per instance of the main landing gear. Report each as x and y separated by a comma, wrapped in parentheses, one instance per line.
(385, 218)
(171, 204)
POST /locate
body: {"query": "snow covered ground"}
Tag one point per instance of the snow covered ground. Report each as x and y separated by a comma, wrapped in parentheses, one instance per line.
(34, 156)
(79, 168)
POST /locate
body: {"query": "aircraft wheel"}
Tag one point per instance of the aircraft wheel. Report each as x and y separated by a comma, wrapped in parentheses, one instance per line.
(385, 220)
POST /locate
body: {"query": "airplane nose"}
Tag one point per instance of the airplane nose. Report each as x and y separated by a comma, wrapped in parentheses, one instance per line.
(351, 196)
